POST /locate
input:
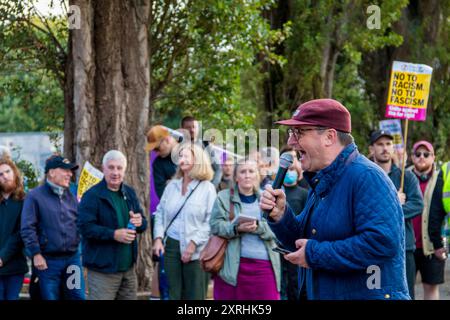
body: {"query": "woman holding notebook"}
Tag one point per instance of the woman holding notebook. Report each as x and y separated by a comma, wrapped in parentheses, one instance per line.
(251, 270)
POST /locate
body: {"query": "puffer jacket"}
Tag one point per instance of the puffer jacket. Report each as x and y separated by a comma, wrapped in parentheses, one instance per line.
(356, 231)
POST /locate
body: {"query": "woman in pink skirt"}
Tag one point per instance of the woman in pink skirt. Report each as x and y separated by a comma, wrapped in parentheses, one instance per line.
(251, 270)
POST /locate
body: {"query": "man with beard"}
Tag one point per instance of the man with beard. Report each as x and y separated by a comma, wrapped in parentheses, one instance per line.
(49, 231)
(382, 149)
(430, 254)
(13, 265)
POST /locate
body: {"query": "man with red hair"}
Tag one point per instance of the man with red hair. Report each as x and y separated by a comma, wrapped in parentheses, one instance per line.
(13, 265)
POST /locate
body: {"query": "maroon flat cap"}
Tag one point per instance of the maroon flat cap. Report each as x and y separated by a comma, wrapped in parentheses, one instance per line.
(323, 113)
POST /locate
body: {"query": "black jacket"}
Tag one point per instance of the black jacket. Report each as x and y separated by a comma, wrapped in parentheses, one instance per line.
(97, 223)
(437, 214)
(11, 245)
(163, 170)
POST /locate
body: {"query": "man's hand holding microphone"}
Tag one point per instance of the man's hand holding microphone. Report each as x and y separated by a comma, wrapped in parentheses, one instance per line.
(273, 203)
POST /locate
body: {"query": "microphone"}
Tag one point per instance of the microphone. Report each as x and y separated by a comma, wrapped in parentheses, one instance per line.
(286, 160)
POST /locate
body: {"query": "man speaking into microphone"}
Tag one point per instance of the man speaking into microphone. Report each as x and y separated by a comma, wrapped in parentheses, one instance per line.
(350, 239)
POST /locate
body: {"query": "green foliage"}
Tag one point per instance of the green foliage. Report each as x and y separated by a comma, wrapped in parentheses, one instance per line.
(30, 101)
(435, 52)
(30, 174)
(339, 25)
(216, 41)
(32, 65)
(213, 59)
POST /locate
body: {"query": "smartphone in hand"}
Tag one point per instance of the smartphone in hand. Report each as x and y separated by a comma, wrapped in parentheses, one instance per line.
(281, 250)
(244, 218)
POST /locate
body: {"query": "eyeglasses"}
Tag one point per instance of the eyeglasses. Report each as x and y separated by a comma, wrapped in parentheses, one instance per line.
(425, 154)
(301, 132)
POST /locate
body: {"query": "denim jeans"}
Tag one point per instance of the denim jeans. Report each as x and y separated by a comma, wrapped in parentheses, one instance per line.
(10, 286)
(63, 279)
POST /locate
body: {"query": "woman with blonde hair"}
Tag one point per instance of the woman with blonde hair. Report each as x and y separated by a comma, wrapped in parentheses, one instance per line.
(251, 270)
(182, 223)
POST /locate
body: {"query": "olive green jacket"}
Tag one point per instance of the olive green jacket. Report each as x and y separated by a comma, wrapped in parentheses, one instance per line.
(222, 226)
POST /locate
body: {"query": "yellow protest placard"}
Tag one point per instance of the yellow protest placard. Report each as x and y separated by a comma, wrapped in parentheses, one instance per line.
(408, 91)
(89, 177)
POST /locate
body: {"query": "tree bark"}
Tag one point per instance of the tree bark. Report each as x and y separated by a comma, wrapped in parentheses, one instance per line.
(276, 17)
(69, 117)
(111, 96)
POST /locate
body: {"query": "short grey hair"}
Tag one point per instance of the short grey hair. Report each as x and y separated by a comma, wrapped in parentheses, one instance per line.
(114, 155)
(345, 138)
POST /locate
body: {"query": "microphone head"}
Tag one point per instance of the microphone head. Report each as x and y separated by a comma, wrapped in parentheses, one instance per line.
(286, 160)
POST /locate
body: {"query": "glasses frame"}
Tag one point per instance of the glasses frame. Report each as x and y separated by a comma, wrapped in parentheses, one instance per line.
(299, 133)
(425, 154)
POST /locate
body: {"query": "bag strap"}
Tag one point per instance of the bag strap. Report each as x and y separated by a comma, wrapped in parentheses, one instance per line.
(231, 203)
(179, 210)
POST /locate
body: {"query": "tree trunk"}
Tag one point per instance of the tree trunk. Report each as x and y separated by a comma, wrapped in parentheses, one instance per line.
(111, 96)
(276, 17)
(329, 57)
(69, 117)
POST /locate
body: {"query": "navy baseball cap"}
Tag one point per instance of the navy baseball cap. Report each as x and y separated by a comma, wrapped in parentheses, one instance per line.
(378, 134)
(55, 162)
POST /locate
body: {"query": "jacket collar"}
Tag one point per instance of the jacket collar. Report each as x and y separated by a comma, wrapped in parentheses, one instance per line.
(103, 192)
(55, 188)
(322, 181)
(236, 199)
(50, 189)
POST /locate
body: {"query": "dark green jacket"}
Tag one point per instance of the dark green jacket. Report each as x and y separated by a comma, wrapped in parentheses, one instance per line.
(11, 245)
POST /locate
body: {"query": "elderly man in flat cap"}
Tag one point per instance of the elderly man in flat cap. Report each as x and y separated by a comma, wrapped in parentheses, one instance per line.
(350, 239)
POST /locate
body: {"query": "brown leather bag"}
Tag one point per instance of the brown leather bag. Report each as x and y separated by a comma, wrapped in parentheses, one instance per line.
(213, 254)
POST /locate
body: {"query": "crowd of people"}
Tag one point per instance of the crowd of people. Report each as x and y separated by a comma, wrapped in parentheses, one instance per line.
(352, 227)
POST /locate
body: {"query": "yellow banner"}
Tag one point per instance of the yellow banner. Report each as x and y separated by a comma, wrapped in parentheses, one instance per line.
(409, 89)
(89, 177)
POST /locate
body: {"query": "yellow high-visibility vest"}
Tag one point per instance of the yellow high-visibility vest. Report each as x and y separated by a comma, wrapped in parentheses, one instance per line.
(446, 189)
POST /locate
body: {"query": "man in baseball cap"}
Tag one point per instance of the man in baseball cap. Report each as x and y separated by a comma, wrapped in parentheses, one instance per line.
(50, 233)
(161, 141)
(353, 218)
(430, 253)
(423, 143)
(155, 137)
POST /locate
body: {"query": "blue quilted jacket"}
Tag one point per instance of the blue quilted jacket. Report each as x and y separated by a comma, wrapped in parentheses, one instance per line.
(355, 226)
